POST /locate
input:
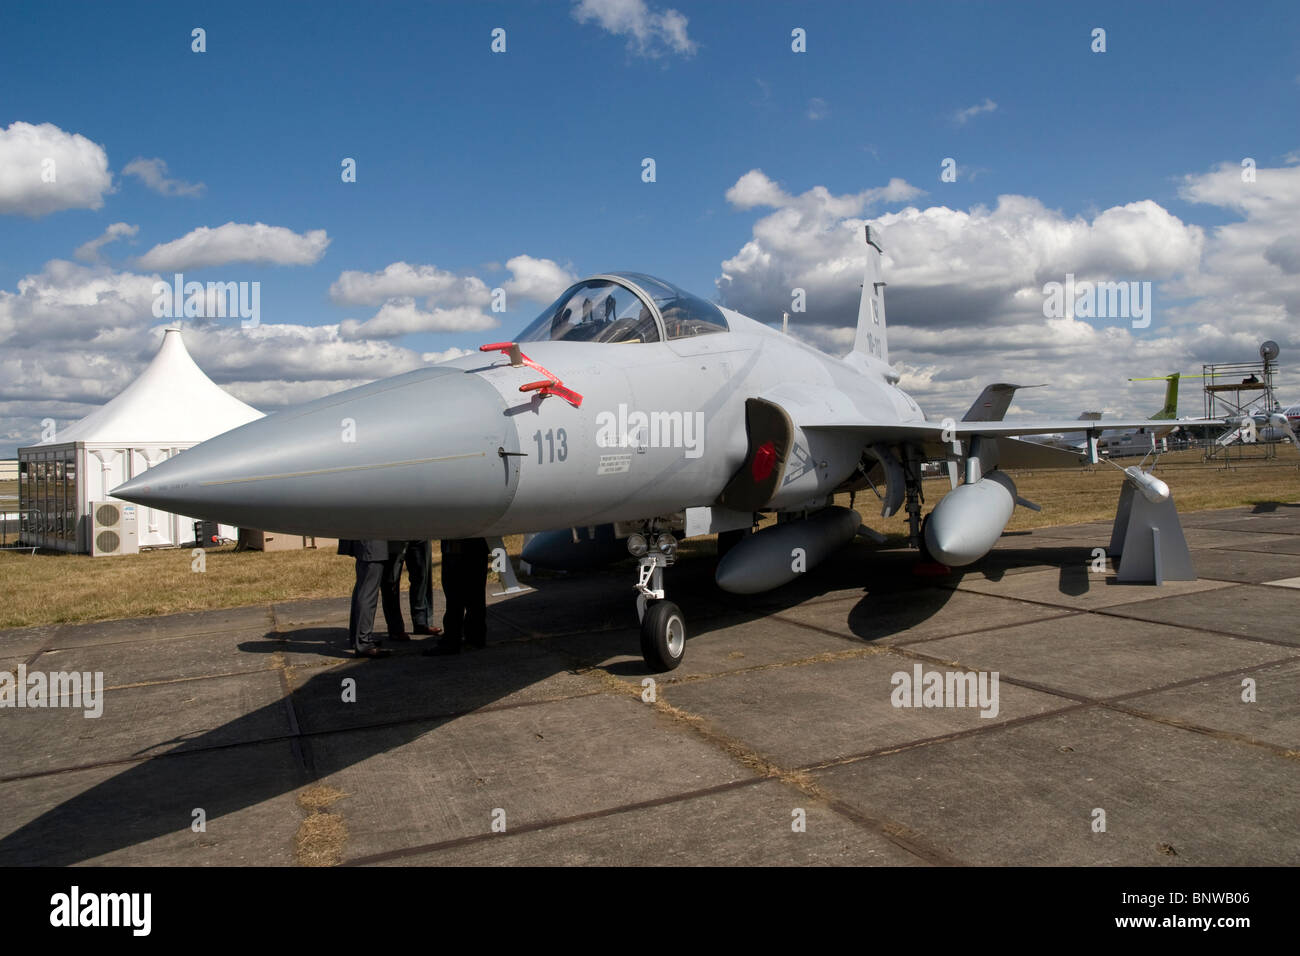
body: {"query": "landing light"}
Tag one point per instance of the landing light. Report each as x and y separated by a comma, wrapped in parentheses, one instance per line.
(666, 543)
(636, 545)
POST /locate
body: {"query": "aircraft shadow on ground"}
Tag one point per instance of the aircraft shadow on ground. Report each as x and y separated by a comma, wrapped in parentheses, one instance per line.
(405, 696)
(1269, 507)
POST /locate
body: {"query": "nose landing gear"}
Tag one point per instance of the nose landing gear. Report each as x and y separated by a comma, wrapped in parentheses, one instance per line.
(663, 636)
(663, 626)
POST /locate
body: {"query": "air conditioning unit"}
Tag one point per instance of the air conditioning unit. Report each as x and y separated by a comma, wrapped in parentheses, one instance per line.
(113, 529)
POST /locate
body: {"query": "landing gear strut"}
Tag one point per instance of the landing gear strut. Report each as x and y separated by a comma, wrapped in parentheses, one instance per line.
(663, 626)
(915, 497)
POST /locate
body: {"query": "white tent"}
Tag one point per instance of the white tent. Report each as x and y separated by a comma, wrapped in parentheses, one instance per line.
(170, 407)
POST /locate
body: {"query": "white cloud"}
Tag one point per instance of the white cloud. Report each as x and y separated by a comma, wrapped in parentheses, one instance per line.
(69, 304)
(453, 303)
(316, 357)
(237, 242)
(401, 316)
(983, 265)
(756, 189)
(818, 109)
(649, 32)
(962, 117)
(1273, 193)
(29, 155)
(153, 173)
(403, 279)
(537, 280)
(433, 358)
(965, 288)
(89, 251)
(73, 336)
(1251, 268)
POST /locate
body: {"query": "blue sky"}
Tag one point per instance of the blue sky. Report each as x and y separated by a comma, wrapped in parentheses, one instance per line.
(466, 158)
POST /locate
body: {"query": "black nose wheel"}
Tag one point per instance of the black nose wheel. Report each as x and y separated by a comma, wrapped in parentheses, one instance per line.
(663, 636)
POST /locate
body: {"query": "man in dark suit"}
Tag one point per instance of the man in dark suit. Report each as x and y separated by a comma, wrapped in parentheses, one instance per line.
(464, 583)
(375, 562)
(418, 559)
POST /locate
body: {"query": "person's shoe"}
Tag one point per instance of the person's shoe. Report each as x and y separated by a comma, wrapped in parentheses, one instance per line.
(426, 630)
(371, 650)
(442, 649)
(399, 636)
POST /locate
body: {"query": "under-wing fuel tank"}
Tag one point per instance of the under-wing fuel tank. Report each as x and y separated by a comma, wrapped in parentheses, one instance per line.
(779, 554)
(966, 524)
(574, 549)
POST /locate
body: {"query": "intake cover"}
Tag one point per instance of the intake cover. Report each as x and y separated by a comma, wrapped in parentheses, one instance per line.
(771, 433)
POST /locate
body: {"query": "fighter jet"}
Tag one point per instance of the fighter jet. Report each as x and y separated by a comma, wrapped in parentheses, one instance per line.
(633, 403)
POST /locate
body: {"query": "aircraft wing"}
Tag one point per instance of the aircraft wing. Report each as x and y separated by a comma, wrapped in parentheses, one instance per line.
(811, 406)
(814, 408)
(1013, 454)
(933, 431)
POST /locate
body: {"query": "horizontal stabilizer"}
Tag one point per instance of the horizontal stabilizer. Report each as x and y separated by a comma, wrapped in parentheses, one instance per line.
(993, 402)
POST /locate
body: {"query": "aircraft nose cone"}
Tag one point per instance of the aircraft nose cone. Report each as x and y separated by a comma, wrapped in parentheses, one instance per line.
(415, 456)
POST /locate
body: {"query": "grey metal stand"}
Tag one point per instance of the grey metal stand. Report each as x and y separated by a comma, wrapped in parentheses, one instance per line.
(1148, 538)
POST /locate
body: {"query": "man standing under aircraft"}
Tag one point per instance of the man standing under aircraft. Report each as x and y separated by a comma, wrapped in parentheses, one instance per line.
(464, 583)
(418, 558)
(376, 561)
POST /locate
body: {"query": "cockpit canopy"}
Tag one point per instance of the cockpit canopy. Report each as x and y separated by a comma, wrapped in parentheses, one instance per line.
(624, 307)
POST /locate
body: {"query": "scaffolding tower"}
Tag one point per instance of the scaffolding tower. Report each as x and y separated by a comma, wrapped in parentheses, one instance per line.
(1242, 393)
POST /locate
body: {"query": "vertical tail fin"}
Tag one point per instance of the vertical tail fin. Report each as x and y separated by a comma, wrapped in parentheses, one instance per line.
(1171, 399)
(871, 338)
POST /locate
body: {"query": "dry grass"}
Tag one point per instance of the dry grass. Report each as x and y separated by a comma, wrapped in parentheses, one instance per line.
(53, 588)
(322, 834)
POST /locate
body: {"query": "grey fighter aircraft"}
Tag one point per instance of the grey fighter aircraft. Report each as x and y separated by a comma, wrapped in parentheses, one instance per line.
(627, 402)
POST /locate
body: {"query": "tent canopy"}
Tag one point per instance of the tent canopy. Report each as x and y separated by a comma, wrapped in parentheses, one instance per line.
(172, 403)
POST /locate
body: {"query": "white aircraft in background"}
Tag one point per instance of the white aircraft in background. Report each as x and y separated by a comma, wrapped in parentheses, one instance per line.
(1120, 442)
(1278, 425)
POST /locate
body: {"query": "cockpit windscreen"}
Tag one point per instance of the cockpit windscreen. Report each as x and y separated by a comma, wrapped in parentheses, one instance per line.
(602, 310)
(684, 314)
(596, 310)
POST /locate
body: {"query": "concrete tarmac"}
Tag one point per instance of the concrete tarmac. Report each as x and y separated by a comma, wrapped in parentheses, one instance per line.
(1133, 724)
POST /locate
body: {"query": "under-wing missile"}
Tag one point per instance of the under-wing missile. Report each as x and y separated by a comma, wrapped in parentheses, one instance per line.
(1153, 489)
(779, 554)
(966, 524)
(574, 549)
